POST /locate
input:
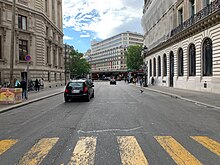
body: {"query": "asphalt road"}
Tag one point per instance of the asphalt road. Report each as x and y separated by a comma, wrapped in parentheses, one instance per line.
(120, 125)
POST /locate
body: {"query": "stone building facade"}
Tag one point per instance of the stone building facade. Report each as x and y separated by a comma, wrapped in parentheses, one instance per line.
(183, 41)
(38, 33)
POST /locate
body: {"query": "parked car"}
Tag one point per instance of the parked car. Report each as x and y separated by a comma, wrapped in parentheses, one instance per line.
(79, 89)
(112, 81)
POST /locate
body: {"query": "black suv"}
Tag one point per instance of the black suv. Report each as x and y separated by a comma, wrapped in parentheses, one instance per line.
(82, 89)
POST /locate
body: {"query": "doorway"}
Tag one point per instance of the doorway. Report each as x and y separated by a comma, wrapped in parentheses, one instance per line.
(171, 68)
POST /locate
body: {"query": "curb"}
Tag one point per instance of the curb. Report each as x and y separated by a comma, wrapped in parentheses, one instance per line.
(180, 97)
(28, 102)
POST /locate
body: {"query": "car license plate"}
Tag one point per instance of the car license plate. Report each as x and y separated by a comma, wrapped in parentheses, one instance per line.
(75, 91)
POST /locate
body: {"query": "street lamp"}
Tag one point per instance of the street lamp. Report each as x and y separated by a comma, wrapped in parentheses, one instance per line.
(144, 53)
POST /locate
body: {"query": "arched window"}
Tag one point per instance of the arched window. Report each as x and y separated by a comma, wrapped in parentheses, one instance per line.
(180, 62)
(164, 65)
(192, 60)
(207, 57)
(150, 68)
(154, 66)
(159, 66)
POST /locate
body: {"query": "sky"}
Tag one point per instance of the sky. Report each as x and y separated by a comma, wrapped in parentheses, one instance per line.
(87, 20)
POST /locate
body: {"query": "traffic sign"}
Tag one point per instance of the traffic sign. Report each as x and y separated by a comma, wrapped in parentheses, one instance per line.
(27, 58)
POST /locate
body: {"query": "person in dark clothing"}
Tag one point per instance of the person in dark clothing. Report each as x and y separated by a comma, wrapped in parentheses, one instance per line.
(37, 85)
(24, 89)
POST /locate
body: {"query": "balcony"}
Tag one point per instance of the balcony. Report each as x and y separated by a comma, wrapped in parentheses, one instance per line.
(204, 13)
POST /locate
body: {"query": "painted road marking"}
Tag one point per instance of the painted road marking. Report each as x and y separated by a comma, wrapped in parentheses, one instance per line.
(38, 152)
(6, 144)
(130, 151)
(208, 143)
(84, 152)
(178, 153)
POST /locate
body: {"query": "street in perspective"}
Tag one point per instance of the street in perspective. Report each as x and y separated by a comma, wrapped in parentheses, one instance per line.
(120, 125)
(110, 82)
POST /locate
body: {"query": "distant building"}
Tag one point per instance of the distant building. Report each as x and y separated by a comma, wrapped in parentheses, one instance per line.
(182, 37)
(87, 55)
(38, 33)
(107, 56)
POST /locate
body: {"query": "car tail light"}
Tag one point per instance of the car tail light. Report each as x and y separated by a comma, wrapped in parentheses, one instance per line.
(66, 91)
(85, 89)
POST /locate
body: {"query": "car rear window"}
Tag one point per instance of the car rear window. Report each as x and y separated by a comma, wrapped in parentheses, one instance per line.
(75, 84)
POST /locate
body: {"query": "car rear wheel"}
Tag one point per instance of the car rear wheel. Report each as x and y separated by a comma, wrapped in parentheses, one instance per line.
(93, 95)
(66, 99)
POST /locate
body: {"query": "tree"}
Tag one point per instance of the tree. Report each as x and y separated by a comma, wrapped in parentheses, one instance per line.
(77, 65)
(134, 60)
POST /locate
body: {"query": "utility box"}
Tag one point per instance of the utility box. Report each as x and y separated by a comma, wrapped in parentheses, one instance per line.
(10, 95)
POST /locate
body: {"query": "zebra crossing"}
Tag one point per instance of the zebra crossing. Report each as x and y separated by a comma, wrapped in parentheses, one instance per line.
(130, 150)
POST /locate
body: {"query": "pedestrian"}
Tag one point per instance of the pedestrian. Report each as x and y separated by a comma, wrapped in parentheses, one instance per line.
(24, 89)
(37, 85)
(17, 83)
(140, 81)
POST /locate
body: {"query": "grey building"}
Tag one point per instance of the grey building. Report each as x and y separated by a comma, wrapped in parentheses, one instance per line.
(38, 33)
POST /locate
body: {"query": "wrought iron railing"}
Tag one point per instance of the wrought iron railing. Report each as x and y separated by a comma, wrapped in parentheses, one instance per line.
(211, 8)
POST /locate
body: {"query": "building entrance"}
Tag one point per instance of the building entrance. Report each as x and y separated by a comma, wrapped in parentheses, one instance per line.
(171, 68)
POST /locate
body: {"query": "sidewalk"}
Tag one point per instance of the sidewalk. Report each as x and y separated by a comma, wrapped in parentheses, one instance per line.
(203, 98)
(34, 96)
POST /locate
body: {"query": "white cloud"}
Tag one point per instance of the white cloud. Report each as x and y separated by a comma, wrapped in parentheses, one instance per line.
(84, 35)
(104, 18)
(67, 38)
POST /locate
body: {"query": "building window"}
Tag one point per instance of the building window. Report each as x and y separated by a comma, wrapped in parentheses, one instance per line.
(154, 66)
(1, 57)
(159, 66)
(207, 57)
(192, 7)
(55, 76)
(206, 3)
(23, 49)
(180, 15)
(46, 6)
(47, 31)
(60, 76)
(192, 60)
(150, 68)
(48, 76)
(54, 58)
(164, 65)
(180, 62)
(22, 22)
(48, 54)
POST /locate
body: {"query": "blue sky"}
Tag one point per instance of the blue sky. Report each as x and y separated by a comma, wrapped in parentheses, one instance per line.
(87, 20)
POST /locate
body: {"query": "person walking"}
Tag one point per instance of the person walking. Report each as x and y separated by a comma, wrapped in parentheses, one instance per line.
(37, 85)
(24, 89)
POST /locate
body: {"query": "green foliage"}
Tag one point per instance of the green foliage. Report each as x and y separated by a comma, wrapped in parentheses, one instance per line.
(134, 60)
(77, 65)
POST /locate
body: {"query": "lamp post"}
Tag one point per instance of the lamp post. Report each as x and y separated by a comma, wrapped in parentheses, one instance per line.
(144, 53)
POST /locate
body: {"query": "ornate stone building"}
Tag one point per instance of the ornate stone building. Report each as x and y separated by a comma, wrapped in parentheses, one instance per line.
(38, 33)
(183, 41)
